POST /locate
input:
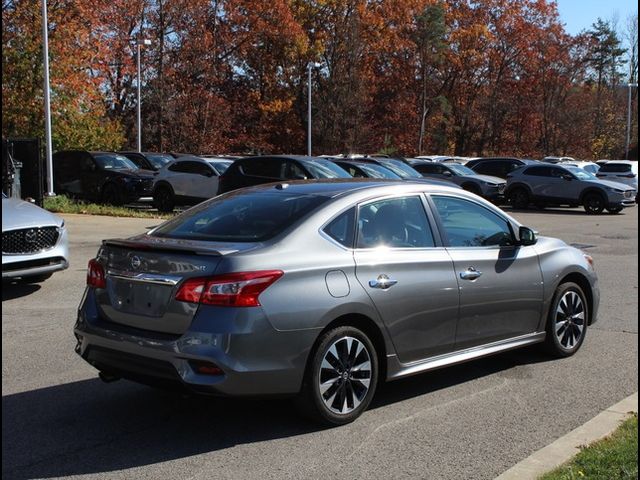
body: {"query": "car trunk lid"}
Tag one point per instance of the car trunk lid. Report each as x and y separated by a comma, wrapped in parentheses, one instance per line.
(144, 273)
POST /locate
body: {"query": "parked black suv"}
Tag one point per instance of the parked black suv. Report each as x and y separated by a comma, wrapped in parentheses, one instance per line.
(498, 166)
(148, 160)
(250, 171)
(106, 177)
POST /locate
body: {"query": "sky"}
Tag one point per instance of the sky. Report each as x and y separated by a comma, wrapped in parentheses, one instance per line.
(579, 15)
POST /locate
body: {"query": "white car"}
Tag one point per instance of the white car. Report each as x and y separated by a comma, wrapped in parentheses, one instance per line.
(34, 242)
(621, 171)
(187, 180)
(558, 159)
(590, 167)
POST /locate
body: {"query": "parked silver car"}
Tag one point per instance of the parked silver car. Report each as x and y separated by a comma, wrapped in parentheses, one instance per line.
(565, 185)
(322, 289)
(34, 241)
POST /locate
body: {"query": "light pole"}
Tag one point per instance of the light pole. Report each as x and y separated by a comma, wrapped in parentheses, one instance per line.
(139, 44)
(47, 100)
(626, 149)
(310, 66)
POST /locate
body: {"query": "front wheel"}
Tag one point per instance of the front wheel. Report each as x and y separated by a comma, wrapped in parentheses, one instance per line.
(567, 322)
(594, 204)
(163, 199)
(341, 377)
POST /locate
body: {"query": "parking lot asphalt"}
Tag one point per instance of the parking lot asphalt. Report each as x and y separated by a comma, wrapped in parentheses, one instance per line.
(469, 421)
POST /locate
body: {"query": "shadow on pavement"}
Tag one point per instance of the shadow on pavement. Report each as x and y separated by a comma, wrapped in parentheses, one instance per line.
(12, 290)
(89, 427)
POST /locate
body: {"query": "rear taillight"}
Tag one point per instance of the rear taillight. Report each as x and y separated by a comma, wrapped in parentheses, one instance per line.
(230, 290)
(95, 274)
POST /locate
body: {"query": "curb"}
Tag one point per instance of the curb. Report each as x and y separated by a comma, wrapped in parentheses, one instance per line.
(566, 447)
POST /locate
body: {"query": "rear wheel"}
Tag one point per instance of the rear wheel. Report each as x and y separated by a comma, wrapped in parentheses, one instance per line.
(341, 377)
(567, 322)
(163, 199)
(519, 198)
(594, 203)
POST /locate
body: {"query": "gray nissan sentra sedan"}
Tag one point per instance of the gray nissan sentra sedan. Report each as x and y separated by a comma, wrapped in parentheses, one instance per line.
(322, 289)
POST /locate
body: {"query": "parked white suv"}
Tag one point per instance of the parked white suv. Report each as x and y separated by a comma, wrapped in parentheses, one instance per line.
(187, 180)
(621, 171)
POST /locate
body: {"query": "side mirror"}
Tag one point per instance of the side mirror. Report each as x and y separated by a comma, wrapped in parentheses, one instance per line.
(447, 174)
(526, 236)
(567, 177)
(299, 177)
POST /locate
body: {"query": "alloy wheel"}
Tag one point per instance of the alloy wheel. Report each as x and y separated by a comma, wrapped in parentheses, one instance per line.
(570, 320)
(345, 375)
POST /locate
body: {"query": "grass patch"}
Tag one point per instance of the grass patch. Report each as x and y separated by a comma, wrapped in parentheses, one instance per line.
(64, 204)
(612, 458)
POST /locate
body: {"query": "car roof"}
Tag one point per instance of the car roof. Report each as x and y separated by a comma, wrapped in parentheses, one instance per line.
(340, 186)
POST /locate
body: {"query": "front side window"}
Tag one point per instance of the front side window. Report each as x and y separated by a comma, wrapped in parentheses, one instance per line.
(538, 171)
(396, 223)
(468, 224)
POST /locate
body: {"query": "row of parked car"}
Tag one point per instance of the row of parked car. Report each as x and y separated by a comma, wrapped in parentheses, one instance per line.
(172, 180)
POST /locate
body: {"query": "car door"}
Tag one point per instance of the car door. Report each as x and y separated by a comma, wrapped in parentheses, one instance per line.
(203, 180)
(408, 275)
(92, 175)
(500, 283)
(179, 177)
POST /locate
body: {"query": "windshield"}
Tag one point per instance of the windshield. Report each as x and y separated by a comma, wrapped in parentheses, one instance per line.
(112, 161)
(378, 171)
(399, 168)
(325, 169)
(220, 166)
(241, 217)
(158, 160)
(461, 169)
(581, 174)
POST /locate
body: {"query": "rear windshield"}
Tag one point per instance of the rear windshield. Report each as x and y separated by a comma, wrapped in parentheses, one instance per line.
(615, 168)
(241, 217)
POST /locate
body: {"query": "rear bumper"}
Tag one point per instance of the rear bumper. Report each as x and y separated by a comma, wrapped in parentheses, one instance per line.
(255, 359)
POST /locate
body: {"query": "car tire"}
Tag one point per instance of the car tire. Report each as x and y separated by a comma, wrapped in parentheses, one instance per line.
(567, 321)
(337, 385)
(614, 210)
(594, 203)
(519, 198)
(163, 199)
(111, 195)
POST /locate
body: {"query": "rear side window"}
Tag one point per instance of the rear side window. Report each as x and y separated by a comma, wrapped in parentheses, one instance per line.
(341, 229)
(538, 171)
(396, 223)
(468, 224)
(253, 217)
(615, 168)
(264, 167)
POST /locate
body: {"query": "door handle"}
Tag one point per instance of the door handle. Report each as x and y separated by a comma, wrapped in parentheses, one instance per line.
(383, 282)
(470, 274)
